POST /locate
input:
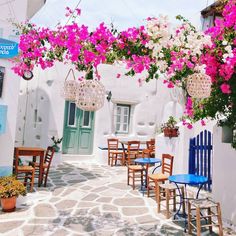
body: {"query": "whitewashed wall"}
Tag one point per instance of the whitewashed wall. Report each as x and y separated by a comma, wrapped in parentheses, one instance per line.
(151, 104)
(224, 176)
(16, 13)
(41, 108)
(10, 98)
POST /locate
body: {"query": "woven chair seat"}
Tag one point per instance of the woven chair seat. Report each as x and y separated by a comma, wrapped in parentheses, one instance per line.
(135, 167)
(35, 164)
(203, 203)
(25, 168)
(158, 176)
(169, 186)
(116, 152)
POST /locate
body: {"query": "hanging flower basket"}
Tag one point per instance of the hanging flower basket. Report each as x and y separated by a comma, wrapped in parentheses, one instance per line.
(199, 85)
(70, 87)
(90, 94)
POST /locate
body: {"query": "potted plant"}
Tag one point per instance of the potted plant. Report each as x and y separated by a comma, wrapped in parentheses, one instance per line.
(10, 189)
(169, 128)
(56, 141)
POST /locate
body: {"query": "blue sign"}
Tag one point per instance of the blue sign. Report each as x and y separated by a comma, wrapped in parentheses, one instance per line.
(8, 49)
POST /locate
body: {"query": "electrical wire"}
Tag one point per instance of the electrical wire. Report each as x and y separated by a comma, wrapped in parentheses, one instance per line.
(73, 11)
(6, 2)
(25, 115)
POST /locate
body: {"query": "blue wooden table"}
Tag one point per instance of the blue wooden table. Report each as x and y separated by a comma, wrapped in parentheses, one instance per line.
(187, 179)
(146, 162)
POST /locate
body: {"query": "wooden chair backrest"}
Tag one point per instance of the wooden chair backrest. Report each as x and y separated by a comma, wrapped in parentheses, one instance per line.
(132, 150)
(133, 147)
(112, 144)
(151, 145)
(49, 155)
(167, 164)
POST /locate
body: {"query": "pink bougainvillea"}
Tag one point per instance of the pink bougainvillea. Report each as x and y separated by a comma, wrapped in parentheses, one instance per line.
(155, 48)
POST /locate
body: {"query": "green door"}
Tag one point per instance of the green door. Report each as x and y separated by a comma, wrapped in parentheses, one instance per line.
(78, 130)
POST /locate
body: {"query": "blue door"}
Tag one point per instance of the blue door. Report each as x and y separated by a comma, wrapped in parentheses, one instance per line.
(200, 156)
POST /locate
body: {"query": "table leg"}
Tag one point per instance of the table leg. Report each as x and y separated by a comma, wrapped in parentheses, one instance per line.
(144, 182)
(199, 190)
(40, 180)
(123, 147)
(156, 168)
(181, 201)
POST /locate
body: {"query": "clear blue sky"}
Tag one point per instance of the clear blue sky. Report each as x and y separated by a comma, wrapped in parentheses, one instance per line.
(122, 13)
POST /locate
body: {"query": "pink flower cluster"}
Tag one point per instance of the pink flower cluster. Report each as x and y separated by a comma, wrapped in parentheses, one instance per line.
(220, 59)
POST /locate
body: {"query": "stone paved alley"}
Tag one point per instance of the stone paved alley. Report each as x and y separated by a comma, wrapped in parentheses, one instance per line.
(86, 199)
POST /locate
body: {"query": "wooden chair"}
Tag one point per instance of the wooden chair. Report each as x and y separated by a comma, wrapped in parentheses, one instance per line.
(167, 192)
(133, 152)
(46, 164)
(135, 172)
(154, 179)
(211, 208)
(150, 150)
(23, 172)
(113, 153)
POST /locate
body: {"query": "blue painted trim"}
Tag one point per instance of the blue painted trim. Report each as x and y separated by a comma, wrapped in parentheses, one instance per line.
(5, 171)
(3, 118)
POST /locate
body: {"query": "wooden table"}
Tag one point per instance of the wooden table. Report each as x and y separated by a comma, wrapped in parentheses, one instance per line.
(125, 143)
(31, 152)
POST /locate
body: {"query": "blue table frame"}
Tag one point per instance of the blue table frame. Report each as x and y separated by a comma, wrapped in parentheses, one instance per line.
(187, 179)
(147, 161)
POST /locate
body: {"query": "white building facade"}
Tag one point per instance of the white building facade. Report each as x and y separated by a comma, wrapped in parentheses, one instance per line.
(11, 11)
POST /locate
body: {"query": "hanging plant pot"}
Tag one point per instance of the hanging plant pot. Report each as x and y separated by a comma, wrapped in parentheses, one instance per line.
(69, 88)
(90, 95)
(199, 85)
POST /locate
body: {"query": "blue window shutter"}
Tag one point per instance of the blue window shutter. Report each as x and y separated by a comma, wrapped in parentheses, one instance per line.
(3, 118)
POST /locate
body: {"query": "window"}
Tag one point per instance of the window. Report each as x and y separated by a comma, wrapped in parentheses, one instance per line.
(2, 72)
(122, 117)
(71, 114)
(86, 119)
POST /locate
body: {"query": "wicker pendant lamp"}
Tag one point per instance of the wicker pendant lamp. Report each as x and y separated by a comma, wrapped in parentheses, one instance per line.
(70, 87)
(90, 93)
(199, 85)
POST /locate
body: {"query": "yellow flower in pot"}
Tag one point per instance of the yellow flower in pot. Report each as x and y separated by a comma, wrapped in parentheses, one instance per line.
(10, 189)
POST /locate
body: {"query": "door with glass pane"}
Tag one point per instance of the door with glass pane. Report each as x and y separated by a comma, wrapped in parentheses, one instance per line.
(78, 130)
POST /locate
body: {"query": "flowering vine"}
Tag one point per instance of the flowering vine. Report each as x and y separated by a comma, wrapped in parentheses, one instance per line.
(155, 48)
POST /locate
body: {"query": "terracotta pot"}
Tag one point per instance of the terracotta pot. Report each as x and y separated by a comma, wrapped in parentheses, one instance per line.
(168, 132)
(8, 204)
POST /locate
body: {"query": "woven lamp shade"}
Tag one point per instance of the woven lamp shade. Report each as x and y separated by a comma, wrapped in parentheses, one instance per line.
(90, 95)
(199, 85)
(69, 90)
(70, 87)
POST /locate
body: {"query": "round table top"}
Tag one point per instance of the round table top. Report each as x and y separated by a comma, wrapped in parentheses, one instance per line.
(147, 160)
(188, 179)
